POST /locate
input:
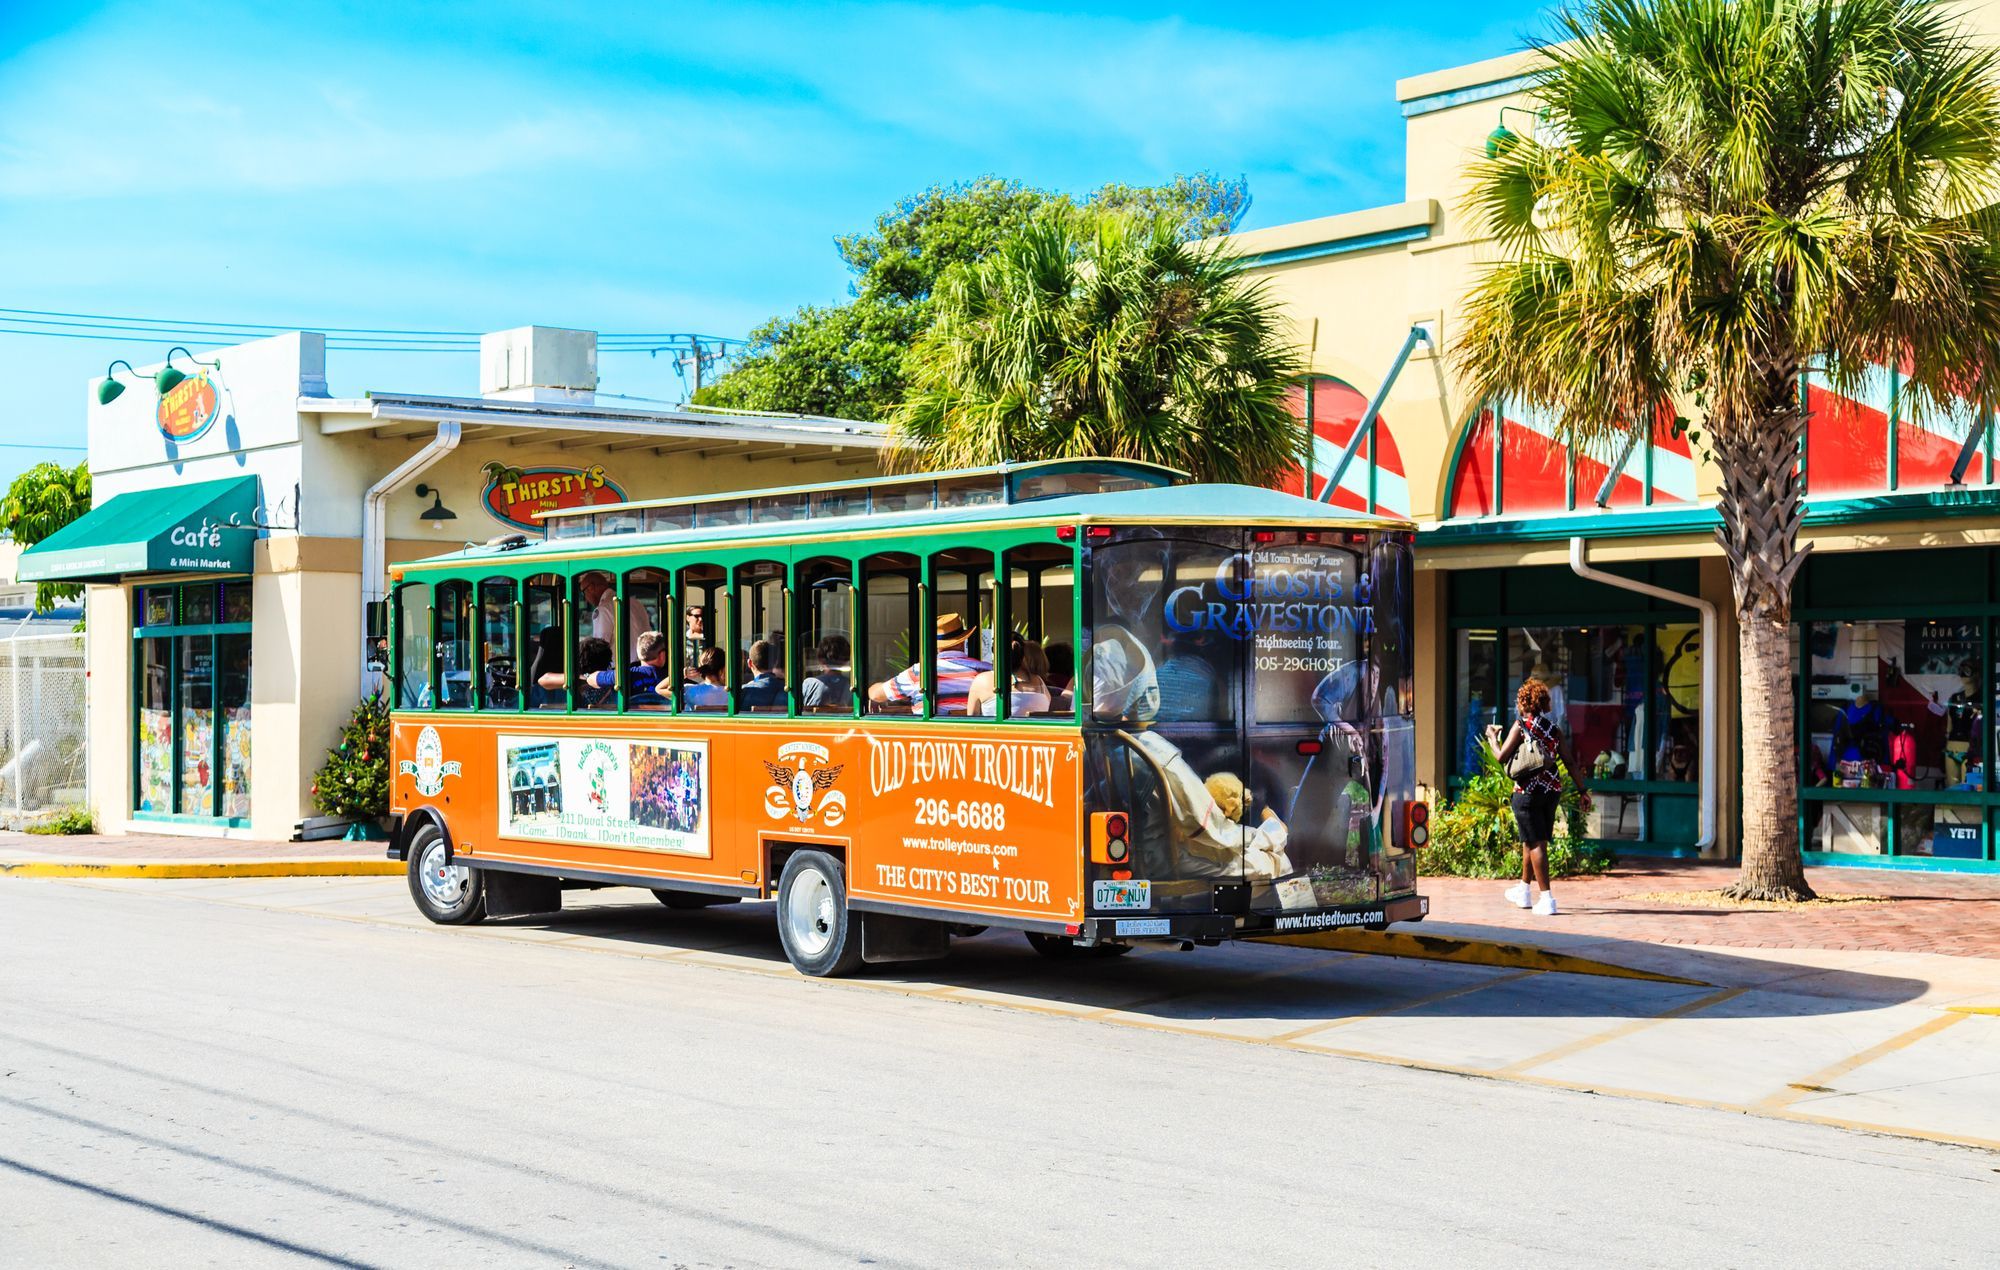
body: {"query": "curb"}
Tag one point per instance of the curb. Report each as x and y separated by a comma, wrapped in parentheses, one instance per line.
(1974, 1009)
(312, 868)
(1470, 952)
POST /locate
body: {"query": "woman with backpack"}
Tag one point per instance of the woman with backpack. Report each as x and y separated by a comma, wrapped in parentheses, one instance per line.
(1529, 755)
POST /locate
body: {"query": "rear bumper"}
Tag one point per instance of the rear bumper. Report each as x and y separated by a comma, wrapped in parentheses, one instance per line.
(1215, 927)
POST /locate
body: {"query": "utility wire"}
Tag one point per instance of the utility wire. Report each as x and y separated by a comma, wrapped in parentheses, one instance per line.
(104, 326)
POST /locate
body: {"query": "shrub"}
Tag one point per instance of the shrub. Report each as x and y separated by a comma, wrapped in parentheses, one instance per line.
(69, 820)
(1475, 837)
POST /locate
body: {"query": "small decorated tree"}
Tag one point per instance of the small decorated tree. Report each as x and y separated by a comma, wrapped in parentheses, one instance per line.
(354, 781)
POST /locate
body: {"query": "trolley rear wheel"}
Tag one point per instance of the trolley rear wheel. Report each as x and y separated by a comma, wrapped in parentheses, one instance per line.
(820, 936)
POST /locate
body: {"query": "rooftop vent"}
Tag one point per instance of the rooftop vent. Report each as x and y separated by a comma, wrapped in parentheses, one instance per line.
(538, 363)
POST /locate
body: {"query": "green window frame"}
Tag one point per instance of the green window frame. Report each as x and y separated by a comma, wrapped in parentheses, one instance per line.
(203, 614)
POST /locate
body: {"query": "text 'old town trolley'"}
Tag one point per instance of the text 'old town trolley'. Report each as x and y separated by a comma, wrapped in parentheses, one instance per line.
(1073, 698)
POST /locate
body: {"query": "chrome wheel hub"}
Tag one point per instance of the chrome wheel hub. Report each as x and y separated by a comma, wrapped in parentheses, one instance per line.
(810, 916)
(444, 883)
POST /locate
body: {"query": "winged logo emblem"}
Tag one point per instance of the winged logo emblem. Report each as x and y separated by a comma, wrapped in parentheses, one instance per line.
(802, 785)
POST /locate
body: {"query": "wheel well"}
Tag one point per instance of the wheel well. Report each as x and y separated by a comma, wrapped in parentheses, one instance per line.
(776, 853)
(415, 821)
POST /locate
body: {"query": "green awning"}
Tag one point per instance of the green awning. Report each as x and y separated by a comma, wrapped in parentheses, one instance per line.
(203, 527)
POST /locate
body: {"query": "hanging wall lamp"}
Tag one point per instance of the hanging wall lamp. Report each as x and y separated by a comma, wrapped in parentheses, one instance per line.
(438, 511)
(168, 378)
(1498, 139)
(107, 392)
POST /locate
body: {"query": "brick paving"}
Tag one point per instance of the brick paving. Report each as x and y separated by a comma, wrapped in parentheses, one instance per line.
(142, 847)
(1952, 913)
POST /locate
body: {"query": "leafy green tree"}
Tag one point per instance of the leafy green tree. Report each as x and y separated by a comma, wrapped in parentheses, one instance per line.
(40, 501)
(849, 360)
(1722, 194)
(1103, 333)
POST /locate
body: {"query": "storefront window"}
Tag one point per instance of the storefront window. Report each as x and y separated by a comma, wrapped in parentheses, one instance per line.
(1894, 704)
(191, 718)
(1628, 696)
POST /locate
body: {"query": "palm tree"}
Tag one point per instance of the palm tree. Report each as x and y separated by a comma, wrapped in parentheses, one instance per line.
(1722, 195)
(40, 501)
(1094, 333)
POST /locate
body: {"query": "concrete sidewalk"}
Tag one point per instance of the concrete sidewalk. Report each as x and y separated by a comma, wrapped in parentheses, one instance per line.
(174, 856)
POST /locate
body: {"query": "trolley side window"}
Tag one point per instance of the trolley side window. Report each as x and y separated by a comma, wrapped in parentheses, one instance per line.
(823, 665)
(962, 609)
(763, 636)
(544, 616)
(891, 613)
(648, 676)
(499, 664)
(454, 645)
(705, 666)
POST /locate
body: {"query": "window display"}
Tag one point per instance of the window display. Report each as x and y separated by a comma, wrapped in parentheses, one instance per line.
(191, 716)
(1894, 704)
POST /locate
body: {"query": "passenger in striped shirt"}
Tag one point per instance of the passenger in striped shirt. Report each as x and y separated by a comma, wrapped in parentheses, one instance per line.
(955, 670)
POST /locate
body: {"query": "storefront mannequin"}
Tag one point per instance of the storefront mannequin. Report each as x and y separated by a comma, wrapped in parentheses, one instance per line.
(1962, 721)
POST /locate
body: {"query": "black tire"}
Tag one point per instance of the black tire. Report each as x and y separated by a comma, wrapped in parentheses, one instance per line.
(1063, 948)
(691, 899)
(457, 896)
(821, 938)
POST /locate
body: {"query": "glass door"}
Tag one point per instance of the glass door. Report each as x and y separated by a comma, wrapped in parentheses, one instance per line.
(191, 702)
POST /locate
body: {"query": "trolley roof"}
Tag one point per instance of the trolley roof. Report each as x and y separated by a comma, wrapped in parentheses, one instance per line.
(1246, 506)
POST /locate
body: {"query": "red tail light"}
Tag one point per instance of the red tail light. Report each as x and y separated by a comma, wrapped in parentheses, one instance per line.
(1097, 533)
(1310, 747)
(1416, 825)
(1263, 535)
(1116, 825)
(1110, 838)
(1066, 533)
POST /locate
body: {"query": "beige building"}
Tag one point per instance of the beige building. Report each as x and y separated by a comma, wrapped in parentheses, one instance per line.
(246, 517)
(1538, 559)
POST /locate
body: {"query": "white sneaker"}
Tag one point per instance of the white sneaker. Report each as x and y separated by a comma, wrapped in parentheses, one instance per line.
(1520, 896)
(1546, 906)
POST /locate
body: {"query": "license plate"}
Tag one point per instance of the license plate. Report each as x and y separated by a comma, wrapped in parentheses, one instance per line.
(1143, 926)
(1121, 894)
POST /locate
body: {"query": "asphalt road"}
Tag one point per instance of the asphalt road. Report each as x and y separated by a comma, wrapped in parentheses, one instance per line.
(206, 1083)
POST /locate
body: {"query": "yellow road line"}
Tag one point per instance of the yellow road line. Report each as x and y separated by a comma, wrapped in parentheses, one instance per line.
(1474, 952)
(1624, 1029)
(1446, 995)
(202, 869)
(1822, 1079)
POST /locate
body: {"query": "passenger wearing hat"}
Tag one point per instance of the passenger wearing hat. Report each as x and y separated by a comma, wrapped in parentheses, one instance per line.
(955, 670)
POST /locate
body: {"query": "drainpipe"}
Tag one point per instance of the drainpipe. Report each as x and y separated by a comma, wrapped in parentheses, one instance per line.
(375, 533)
(1367, 424)
(1711, 688)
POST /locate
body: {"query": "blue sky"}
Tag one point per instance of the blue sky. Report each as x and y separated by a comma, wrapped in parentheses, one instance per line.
(643, 167)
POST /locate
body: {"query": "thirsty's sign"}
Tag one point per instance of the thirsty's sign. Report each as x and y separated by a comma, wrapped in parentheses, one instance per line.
(189, 409)
(516, 496)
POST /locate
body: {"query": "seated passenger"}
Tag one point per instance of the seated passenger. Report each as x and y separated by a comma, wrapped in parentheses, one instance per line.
(1028, 668)
(830, 689)
(1187, 679)
(546, 659)
(955, 671)
(764, 690)
(597, 686)
(708, 690)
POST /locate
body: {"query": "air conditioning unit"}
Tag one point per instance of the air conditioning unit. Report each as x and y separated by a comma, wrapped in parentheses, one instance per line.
(538, 363)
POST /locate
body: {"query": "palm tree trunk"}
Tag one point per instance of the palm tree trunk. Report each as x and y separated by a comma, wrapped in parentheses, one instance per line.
(1761, 508)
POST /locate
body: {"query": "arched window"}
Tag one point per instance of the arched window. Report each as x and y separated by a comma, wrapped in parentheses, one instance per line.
(1869, 440)
(1511, 460)
(1374, 481)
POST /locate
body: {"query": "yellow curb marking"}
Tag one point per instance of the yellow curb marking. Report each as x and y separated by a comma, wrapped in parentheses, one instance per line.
(1825, 1077)
(1624, 1029)
(1974, 1009)
(1385, 1011)
(204, 869)
(1476, 952)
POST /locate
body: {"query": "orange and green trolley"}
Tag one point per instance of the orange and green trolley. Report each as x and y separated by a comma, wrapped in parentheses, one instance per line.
(1082, 699)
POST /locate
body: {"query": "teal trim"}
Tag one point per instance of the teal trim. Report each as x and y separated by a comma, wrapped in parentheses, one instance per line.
(1651, 850)
(1334, 247)
(170, 818)
(1909, 863)
(218, 628)
(1943, 797)
(1830, 513)
(1433, 102)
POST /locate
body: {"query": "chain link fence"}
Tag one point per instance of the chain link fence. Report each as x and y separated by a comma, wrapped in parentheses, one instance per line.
(44, 755)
